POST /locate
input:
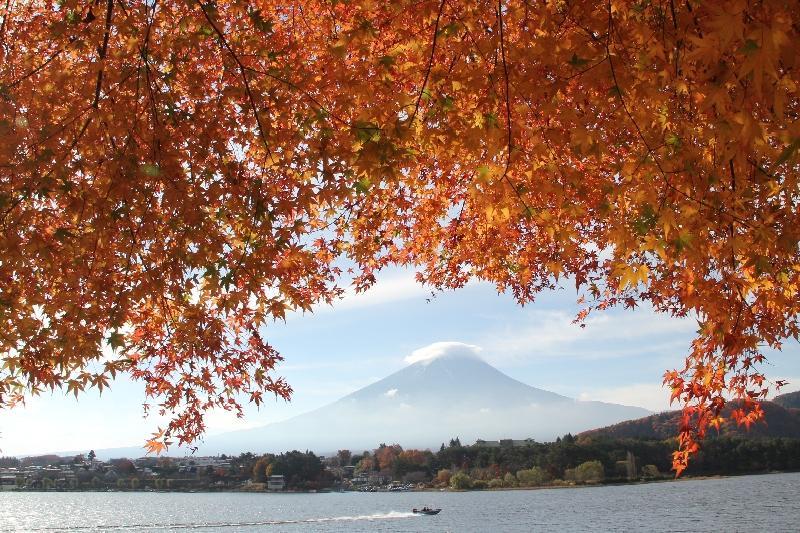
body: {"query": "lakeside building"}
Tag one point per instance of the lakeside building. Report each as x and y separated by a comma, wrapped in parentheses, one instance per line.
(504, 443)
(371, 478)
(11, 479)
(147, 473)
(276, 482)
(205, 461)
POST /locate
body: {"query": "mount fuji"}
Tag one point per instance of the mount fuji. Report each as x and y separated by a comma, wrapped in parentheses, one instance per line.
(426, 403)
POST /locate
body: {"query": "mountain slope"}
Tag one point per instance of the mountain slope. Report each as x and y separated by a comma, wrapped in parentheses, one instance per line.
(425, 404)
(790, 400)
(463, 380)
(780, 422)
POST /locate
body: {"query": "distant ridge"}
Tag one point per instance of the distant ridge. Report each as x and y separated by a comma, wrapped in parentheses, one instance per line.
(790, 400)
(780, 422)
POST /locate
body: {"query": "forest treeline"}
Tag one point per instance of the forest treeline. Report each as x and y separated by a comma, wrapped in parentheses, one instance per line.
(501, 464)
(568, 460)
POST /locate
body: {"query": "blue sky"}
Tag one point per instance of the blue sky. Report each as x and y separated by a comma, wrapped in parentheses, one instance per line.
(619, 357)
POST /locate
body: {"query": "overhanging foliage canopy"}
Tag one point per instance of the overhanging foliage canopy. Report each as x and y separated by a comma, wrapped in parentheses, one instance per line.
(175, 174)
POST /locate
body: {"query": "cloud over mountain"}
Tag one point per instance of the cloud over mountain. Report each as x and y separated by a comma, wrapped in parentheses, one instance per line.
(440, 350)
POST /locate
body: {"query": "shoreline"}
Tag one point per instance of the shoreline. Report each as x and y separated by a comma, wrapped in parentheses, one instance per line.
(426, 489)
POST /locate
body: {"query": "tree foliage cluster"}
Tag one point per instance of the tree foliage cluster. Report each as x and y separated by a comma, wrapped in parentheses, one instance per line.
(301, 470)
(562, 460)
(395, 462)
(583, 460)
(176, 175)
(9, 461)
(590, 471)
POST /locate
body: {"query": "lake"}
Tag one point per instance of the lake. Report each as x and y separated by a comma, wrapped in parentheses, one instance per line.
(748, 503)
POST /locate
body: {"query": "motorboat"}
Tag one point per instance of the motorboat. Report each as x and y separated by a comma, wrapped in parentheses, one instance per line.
(426, 510)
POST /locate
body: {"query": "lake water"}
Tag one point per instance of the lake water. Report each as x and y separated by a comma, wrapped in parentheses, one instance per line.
(769, 503)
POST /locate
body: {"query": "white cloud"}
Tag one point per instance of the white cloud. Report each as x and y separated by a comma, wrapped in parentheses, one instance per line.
(391, 393)
(386, 290)
(393, 286)
(437, 350)
(553, 334)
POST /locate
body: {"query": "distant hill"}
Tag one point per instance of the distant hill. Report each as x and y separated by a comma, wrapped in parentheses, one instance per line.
(779, 422)
(790, 400)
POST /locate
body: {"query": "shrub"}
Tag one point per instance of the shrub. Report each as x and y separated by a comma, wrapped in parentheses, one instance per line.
(496, 483)
(650, 471)
(532, 477)
(591, 471)
(460, 481)
(480, 484)
(588, 472)
(510, 480)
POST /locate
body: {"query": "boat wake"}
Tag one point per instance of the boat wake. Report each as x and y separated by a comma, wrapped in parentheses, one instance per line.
(391, 515)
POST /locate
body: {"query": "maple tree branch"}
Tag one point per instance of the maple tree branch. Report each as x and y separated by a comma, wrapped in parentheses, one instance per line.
(66, 153)
(509, 84)
(477, 48)
(41, 67)
(4, 25)
(507, 91)
(650, 150)
(674, 17)
(308, 95)
(243, 71)
(509, 135)
(84, 110)
(103, 52)
(678, 42)
(145, 56)
(694, 18)
(430, 63)
(733, 222)
(584, 71)
(23, 197)
(150, 93)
